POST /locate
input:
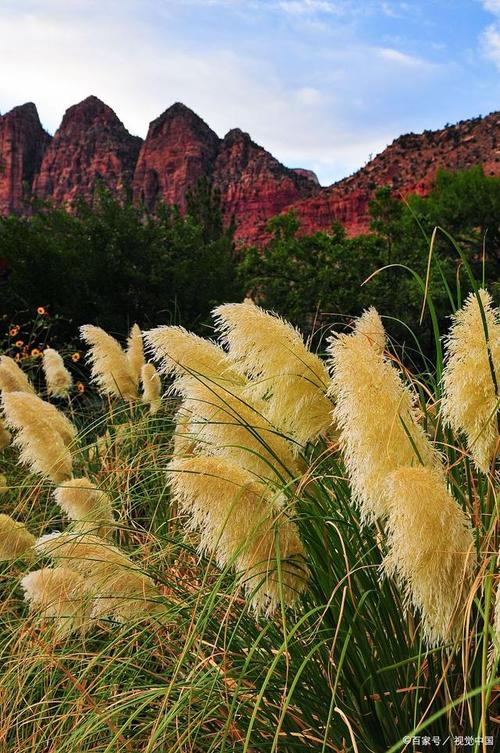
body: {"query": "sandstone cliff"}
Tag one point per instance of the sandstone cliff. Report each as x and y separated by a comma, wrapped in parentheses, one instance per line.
(22, 145)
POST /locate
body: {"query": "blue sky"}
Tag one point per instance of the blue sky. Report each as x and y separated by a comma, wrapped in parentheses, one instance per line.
(322, 84)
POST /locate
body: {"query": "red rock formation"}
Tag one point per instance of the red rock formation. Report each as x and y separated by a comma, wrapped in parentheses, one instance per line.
(91, 146)
(22, 145)
(179, 149)
(254, 186)
(408, 165)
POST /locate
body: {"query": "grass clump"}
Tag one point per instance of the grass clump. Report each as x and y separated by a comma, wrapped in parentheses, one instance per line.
(278, 555)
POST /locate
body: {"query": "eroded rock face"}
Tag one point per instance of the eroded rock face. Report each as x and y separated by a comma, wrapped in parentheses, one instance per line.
(90, 147)
(254, 186)
(23, 142)
(408, 165)
(179, 149)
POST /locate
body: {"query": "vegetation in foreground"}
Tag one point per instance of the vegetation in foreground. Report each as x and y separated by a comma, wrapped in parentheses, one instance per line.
(317, 571)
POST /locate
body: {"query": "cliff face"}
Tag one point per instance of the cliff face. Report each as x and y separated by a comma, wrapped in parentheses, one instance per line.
(254, 186)
(91, 146)
(179, 149)
(408, 165)
(22, 145)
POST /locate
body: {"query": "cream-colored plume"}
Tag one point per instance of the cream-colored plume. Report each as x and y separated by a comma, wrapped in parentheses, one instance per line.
(243, 526)
(57, 376)
(227, 423)
(272, 353)
(151, 388)
(431, 549)
(375, 414)
(87, 505)
(115, 583)
(471, 400)
(5, 436)
(58, 594)
(135, 353)
(43, 434)
(15, 539)
(110, 368)
(12, 377)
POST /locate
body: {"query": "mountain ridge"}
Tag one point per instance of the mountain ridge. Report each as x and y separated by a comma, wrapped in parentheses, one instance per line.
(92, 147)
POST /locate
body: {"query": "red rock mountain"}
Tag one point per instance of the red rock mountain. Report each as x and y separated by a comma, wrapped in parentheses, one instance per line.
(179, 149)
(22, 145)
(92, 146)
(408, 165)
(254, 186)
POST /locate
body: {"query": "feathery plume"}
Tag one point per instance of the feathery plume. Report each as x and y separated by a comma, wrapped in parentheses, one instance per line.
(226, 421)
(58, 594)
(375, 414)
(243, 525)
(471, 401)
(370, 326)
(431, 548)
(135, 353)
(5, 436)
(4, 486)
(42, 434)
(87, 505)
(110, 367)
(12, 377)
(272, 353)
(15, 539)
(151, 388)
(57, 376)
(116, 584)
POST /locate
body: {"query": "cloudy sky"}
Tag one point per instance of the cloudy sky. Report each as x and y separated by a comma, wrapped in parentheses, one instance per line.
(322, 84)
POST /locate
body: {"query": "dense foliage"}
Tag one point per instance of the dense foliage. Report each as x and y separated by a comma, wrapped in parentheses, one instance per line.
(112, 265)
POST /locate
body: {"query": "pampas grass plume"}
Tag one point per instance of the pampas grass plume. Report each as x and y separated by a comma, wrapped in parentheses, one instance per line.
(431, 549)
(87, 505)
(151, 388)
(226, 422)
(135, 352)
(110, 368)
(272, 353)
(470, 403)
(375, 414)
(115, 583)
(57, 376)
(240, 523)
(43, 434)
(15, 539)
(12, 377)
(58, 594)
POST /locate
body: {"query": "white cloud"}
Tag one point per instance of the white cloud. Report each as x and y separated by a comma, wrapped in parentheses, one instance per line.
(402, 58)
(490, 43)
(493, 6)
(303, 7)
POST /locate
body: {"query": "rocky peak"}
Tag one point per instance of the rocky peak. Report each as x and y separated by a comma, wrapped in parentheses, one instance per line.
(23, 142)
(254, 185)
(179, 149)
(90, 147)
